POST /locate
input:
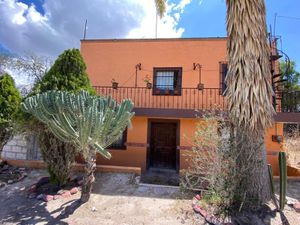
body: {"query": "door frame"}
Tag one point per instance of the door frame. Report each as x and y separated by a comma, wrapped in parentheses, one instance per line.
(177, 122)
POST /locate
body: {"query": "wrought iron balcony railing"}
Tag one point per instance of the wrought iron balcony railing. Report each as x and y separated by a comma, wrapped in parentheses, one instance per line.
(288, 101)
(189, 98)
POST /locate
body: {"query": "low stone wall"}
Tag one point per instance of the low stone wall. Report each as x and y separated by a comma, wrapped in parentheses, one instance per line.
(21, 147)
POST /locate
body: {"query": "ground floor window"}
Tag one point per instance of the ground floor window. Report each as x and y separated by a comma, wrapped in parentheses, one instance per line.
(120, 143)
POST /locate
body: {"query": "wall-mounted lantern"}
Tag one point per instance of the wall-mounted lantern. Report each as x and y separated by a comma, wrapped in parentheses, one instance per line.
(200, 86)
(137, 67)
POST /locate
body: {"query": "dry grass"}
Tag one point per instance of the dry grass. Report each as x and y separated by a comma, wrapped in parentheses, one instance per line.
(292, 147)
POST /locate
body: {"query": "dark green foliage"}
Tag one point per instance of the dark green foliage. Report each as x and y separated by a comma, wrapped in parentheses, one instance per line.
(292, 76)
(58, 155)
(10, 99)
(282, 179)
(67, 74)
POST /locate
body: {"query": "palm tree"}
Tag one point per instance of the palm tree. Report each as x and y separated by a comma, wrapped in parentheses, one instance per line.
(249, 93)
(160, 11)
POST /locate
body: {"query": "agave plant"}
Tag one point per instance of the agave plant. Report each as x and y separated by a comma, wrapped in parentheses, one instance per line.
(90, 123)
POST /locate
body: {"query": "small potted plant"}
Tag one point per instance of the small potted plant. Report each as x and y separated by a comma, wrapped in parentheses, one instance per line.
(147, 82)
(114, 84)
(157, 91)
(167, 91)
(200, 86)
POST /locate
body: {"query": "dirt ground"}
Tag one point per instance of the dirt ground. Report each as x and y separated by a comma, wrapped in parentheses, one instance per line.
(116, 200)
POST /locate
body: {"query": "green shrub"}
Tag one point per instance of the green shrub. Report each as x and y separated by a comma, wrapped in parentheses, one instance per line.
(67, 74)
(10, 99)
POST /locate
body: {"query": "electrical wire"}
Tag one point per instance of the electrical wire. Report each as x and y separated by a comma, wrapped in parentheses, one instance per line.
(289, 17)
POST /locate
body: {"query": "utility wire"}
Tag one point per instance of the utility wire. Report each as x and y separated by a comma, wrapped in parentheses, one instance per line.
(289, 17)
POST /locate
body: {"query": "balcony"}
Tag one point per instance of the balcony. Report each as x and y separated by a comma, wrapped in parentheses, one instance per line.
(288, 106)
(149, 103)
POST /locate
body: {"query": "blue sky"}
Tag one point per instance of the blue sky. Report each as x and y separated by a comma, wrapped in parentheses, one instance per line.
(209, 18)
(47, 27)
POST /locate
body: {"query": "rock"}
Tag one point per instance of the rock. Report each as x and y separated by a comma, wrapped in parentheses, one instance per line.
(198, 197)
(137, 179)
(196, 208)
(60, 192)
(66, 194)
(203, 213)
(74, 190)
(48, 198)
(40, 197)
(94, 209)
(2, 184)
(25, 174)
(32, 195)
(80, 182)
(56, 197)
(42, 181)
(21, 169)
(5, 167)
(22, 188)
(32, 188)
(21, 177)
(291, 201)
(296, 206)
(10, 181)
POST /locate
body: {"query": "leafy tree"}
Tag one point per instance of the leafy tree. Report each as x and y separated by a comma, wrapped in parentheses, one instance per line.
(291, 75)
(290, 96)
(10, 99)
(33, 65)
(160, 7)
(66, 74)
(90, 123)
(249, 94)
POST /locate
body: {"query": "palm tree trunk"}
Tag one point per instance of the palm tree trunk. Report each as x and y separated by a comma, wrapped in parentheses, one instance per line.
(89, 178)
(251, 163)
(249, 93)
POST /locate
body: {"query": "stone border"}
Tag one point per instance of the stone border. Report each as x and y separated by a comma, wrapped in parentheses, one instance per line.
(32, 191)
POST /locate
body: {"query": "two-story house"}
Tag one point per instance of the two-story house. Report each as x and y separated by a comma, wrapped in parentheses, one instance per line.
(167, 79)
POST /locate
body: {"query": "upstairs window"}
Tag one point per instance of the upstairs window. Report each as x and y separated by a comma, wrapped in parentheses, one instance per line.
(120, 143)
(223, 73)
(167, 81)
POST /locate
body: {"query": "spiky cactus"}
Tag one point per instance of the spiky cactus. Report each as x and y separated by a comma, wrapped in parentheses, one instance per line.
(282, 179)
(90, 123)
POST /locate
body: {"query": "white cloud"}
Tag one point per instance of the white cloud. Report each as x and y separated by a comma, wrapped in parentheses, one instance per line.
(167, 27)
(24, 29)
(182, 4)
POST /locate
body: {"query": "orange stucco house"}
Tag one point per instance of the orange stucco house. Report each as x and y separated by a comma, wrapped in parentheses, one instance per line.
(184, 75)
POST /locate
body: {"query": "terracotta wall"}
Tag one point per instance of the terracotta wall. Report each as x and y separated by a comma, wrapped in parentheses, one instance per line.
(273, 147)
(131, 156)
(136, 156)
(107, 59)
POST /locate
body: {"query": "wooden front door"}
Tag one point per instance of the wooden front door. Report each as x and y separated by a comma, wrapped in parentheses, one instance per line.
(163, 145)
